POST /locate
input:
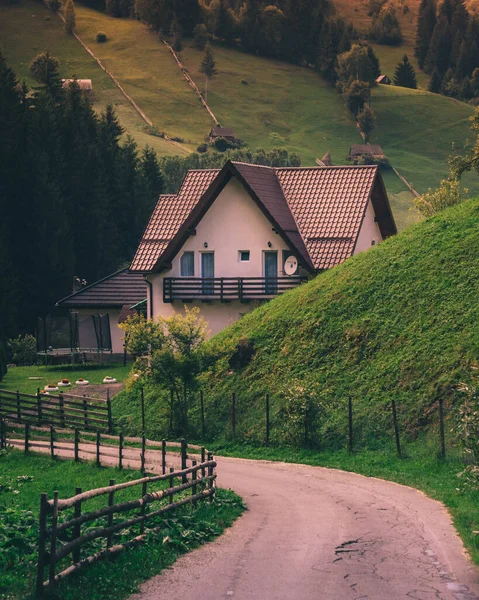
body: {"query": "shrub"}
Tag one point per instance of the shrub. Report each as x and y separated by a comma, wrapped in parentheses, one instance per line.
(449, 193)
(469, 434)
(242, 354)
(101, 37)
(202, 148)
(244, 82)
(221, 144)
(24, 350)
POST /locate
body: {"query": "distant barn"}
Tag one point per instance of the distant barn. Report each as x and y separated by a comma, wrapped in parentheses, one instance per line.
(384, 79)
(222, 132)
(84, 84)
(358, 150)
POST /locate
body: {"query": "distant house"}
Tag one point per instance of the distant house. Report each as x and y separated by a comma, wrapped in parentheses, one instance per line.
(384, 80)
(85, 85)
(119, 295)
(233, 238)
(357, 150)
(222, 132)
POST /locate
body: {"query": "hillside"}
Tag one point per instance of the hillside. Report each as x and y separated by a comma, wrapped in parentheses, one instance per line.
(399, 321)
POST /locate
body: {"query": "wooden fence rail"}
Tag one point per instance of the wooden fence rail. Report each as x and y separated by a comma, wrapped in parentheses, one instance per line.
(63, 546)
(62, 410)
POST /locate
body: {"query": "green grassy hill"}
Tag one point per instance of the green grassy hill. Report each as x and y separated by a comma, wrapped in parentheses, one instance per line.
(398, 321)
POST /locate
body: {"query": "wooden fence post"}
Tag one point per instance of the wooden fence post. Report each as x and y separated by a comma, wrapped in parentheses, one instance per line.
(143, 508)
(267, 419)
(396, 428)
(77, 528)
(142, 411)
(163, 457)
(77, 443)
(111, 498)
(202, 405)
(39, 406)
(85, 412)
(120, 451)
(108, 405)
(143, 452)
(194, 475)
(53, 538)
(210, 474)
(171, 408)
(233, 414)
(183, 458)
(203, 459)
(62, 409)
(350, 422)
(52, 441)
(27, 435)
(97, 448)
(171, 482)
(441, 428)
(19, 412)
(42, 538)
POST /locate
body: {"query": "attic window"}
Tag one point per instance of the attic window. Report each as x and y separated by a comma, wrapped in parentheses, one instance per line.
(244, 255)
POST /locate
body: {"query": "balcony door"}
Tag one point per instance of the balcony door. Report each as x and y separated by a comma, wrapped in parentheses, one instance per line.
(208, 272)
(271, 272)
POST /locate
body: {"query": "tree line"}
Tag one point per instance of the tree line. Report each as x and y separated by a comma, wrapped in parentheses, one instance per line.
(74, 196)
(447, 47)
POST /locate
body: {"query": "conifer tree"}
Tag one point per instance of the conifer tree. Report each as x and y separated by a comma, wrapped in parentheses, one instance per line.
(150, 168)
(425, 27)
(208, 67)
(440, 46)
(69, 16)
(405, 75)
(435, 82)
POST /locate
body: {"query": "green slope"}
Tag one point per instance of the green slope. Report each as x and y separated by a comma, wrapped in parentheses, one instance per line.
(398, 321)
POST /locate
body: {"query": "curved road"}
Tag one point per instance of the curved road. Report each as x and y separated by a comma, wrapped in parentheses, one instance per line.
(319, 534)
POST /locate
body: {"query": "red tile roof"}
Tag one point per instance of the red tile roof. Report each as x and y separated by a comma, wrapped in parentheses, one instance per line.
(318, 210)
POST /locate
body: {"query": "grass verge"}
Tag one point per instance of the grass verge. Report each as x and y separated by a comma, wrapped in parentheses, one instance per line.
(420, 468)
(24, 477)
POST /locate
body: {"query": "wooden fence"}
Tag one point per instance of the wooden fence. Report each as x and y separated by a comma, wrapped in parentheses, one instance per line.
(61, 410)
(65, 549)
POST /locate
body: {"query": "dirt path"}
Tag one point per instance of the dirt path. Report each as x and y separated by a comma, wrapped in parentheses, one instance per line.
(320, 534)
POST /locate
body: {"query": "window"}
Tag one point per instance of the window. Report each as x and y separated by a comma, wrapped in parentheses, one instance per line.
(244, 255)
(187, 264)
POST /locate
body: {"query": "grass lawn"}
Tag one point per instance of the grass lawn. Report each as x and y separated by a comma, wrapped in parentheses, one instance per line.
(17, 378)
(23, 478)
(28, 27)
(420, 469)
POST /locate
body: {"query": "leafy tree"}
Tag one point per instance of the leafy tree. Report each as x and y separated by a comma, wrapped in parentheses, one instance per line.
(272, 24)
(449, 86)
(385, 28)
(425, 27)
(208, 67)
(405, 76)
(367, 122)
(69, 16)
(355, 65)
(355, 96)
(200, 36)
(449, 193)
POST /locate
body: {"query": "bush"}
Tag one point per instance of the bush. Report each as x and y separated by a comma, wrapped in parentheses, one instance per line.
(24, 350)
(244, 82)
(449, 193)
(101, 37)
(469, 433)
(242, 354)
(202, 148)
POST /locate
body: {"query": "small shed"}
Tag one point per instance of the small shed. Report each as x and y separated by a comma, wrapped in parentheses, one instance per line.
(384, 80)
(222, 132)
(357, 150)
(84, 84)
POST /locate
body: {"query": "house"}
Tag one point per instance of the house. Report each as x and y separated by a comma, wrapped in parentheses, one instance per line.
(384, 80)
(119, 295)
(85, 85)
(233, 238)
(357, 150)
(222, 132)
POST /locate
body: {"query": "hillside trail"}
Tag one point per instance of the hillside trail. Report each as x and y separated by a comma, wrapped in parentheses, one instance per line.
(323, 534)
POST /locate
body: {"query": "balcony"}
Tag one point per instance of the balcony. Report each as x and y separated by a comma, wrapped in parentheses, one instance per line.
(226, 289)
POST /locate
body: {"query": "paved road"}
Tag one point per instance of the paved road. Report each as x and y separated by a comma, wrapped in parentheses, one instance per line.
(314, 533)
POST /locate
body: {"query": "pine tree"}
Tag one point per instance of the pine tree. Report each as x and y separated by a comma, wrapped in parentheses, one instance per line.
(150, 168)
(376, 67)
(69, 15)
(208, 67)
(405, 75)
(425, 27)
(435, 82)
(440, 46)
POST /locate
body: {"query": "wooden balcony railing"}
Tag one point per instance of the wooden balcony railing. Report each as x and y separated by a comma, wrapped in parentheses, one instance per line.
(226, 289)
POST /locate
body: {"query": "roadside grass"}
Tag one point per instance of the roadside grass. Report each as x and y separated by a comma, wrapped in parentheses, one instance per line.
(24, 477)
(421, 468)
(17, 378)
(28, 27)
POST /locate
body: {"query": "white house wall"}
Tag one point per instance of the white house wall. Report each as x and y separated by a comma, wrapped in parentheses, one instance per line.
(369, 231)
(233, 223)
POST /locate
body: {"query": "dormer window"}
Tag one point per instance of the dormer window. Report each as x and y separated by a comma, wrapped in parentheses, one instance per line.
(244, 255)
(187, 264)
